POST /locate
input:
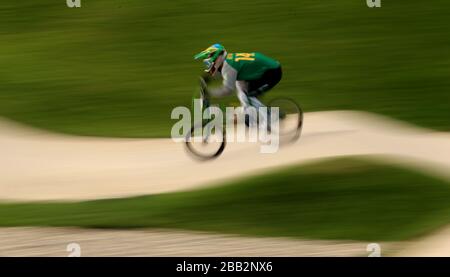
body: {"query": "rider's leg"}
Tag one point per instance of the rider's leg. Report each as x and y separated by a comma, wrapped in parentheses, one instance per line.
(241, 87)
(264, 117)
(260, 86)
(248, 102)
(268, 80)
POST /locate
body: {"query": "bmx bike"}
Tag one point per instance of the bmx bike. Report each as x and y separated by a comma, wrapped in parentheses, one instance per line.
(206, 143)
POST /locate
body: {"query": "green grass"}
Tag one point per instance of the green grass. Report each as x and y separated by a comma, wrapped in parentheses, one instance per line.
(117, 68)
(336, 199)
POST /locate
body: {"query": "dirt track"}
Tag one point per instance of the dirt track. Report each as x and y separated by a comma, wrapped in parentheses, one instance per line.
(41, 166)
(54, 241)
(435, 245)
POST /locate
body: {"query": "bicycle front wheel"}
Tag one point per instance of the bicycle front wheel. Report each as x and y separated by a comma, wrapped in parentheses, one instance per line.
(205, 143)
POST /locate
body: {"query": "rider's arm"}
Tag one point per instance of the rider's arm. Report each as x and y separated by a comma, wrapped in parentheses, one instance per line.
(229, 76)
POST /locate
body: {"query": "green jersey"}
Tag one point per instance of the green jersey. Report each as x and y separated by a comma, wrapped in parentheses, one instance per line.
(239, 68)
(250, 66)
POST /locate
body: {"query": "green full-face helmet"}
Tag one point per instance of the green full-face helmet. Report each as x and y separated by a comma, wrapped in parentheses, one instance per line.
(210, 56)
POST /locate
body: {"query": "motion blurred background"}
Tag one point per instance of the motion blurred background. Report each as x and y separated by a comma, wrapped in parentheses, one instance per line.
(117, 68)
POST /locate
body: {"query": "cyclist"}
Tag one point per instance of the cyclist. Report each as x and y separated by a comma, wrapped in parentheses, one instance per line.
(250, 74)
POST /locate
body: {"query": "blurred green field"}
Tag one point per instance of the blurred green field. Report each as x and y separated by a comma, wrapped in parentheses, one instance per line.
(343, 198)
(118, 67)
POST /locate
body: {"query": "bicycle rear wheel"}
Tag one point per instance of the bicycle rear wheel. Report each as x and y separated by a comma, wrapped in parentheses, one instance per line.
(291, 118)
